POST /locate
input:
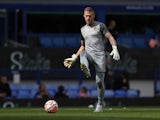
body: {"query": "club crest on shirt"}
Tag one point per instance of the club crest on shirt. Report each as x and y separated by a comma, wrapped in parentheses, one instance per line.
(95, 28)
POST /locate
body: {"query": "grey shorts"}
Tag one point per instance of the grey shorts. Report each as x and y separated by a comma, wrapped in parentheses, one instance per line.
(98, 60)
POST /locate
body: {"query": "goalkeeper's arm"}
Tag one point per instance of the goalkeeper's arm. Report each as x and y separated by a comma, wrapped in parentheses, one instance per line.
(113, 42)
(68, 62)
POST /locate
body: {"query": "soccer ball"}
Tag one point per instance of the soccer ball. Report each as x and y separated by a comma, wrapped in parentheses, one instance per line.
(51, 106)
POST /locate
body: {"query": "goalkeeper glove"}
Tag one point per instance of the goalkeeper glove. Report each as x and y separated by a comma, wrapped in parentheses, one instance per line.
(115, 53)
(68, 62)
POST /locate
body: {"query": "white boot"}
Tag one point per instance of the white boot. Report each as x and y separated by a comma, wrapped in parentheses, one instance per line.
(85, 71)
(98, 108)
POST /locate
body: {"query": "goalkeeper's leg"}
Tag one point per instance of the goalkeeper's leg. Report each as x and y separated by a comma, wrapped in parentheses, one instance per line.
(100, 88)
(84, 64)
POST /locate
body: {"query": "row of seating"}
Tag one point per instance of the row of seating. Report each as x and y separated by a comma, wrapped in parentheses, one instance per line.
(29, 91)
(60, 41)
(73, 40)
(134, 41)
(110, 94)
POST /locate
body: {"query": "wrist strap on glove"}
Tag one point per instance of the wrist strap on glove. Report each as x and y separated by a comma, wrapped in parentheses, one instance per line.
(114, 47)
(74, 56)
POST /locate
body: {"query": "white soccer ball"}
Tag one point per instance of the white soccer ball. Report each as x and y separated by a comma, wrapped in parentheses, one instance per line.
(51, 106)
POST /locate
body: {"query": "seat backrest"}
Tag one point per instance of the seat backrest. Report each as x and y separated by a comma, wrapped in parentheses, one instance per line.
(120, 93)
(109, 94)
(46, 41)
(72, 94)
(73, 87)
(132, 93)
(58, 42)
(23, 94)
(94, 94)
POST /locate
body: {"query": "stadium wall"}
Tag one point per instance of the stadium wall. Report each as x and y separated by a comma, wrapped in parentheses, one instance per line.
(120, 102)
(93, 2)
(140, 63)
(16, 7)
(96, 2)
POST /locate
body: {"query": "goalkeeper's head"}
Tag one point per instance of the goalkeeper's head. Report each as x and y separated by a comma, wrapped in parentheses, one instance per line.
(89, 15)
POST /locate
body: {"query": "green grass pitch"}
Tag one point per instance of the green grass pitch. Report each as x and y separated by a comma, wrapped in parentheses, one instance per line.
(81, 113)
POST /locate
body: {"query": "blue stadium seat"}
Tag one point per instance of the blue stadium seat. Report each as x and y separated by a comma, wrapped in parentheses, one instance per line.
(158, 88)
(17, 88)
(14, 93)
(89, 87)
(46, 41)
(132, 93)
(51, 93)
(33, 87)
(73, 87)
(72, 94)
(24, 87)
(134, 40)
(23, 94)
(94, 87)
(14, 87)
(120, 93)
(58, 42)
(72, 42)
(127, 42)
(140, 42)
(109, 94)
(94, 93)
(33, 93)
(51, 87)
(120, 40)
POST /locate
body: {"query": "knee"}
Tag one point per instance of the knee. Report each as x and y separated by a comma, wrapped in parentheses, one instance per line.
(100, 85)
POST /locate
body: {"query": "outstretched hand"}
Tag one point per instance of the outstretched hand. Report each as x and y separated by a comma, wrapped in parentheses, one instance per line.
(68, 62)
(115, 53)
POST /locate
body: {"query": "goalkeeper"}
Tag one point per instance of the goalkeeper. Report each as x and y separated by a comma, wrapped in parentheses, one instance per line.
(92, 50)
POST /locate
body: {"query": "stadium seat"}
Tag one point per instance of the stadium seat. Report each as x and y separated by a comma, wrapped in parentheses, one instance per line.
(14, 90)
(14, 87)
(23, 94)
(94, 94)
(94, 87)
(72, 94)
(73, 87)
(109, 94)
(24, 87)
(140, 42)
(14, 93)
(17, 88)
(46, 41)
(33, 87)
(51, 87)
(33, 93)
(132, 93)
(89, 87)
(51, 93)
(120, 93)
(134, 40)
(58, 42)
(158, 88)
(72, 42)
(127, 42)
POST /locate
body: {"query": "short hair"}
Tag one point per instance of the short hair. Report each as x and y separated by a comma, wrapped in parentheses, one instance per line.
(90, 9)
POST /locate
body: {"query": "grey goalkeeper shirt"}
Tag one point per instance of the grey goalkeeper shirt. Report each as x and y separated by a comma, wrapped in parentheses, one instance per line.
(94, 37)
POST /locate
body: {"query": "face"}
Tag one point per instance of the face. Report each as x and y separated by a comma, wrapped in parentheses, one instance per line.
(113, 24)
(42, 87)
(4, 79)
(89, 17)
